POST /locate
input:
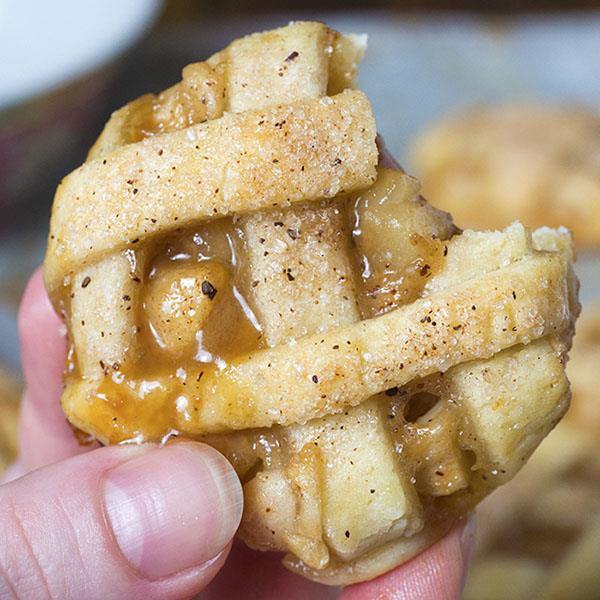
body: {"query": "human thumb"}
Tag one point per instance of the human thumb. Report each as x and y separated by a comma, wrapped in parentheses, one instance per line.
(119, 522)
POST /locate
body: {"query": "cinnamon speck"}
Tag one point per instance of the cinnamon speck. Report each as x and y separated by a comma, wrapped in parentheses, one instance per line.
(208, 289)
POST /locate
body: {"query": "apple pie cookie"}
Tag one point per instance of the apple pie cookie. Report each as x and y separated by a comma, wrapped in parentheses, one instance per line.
(539, 164)
(235, 266)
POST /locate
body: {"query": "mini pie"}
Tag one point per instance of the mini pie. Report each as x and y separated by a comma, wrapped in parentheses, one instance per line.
(539, 164)
(235, 267)
(539, 535)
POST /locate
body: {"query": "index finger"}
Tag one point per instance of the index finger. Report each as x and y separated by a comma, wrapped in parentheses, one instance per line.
(45, 436)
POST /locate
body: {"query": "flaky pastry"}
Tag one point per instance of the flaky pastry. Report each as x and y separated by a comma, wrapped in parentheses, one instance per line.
(536, 163)
(235, 267)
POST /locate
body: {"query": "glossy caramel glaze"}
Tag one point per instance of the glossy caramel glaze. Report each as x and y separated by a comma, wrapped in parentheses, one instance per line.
(195, 315)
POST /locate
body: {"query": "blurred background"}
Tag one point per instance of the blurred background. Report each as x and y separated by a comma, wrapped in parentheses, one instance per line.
(491, 99)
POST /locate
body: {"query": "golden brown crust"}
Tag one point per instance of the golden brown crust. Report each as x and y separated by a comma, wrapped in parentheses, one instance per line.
(481, 390)
(273, 157)
(353, 363)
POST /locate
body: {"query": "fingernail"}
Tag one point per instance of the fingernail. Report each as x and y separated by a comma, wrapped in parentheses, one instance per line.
(467, 544)
(173, 508)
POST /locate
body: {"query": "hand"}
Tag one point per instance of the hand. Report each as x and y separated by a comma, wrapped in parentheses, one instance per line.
(148, 522)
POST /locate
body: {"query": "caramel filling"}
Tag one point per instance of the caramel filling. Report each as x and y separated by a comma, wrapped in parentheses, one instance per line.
(196, 313)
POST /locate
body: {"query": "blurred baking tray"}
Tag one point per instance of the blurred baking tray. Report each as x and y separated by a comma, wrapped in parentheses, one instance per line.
(417, 69)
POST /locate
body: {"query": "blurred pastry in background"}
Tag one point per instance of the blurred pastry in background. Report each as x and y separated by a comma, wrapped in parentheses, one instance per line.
(539, 164)
(10, 393)
(539, 536)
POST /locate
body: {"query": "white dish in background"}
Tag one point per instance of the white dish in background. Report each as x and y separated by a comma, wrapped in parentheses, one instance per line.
(48, 43)
(56, 70)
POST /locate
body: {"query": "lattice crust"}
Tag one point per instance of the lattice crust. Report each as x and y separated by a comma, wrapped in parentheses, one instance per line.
(533, 162)
(234, 267)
